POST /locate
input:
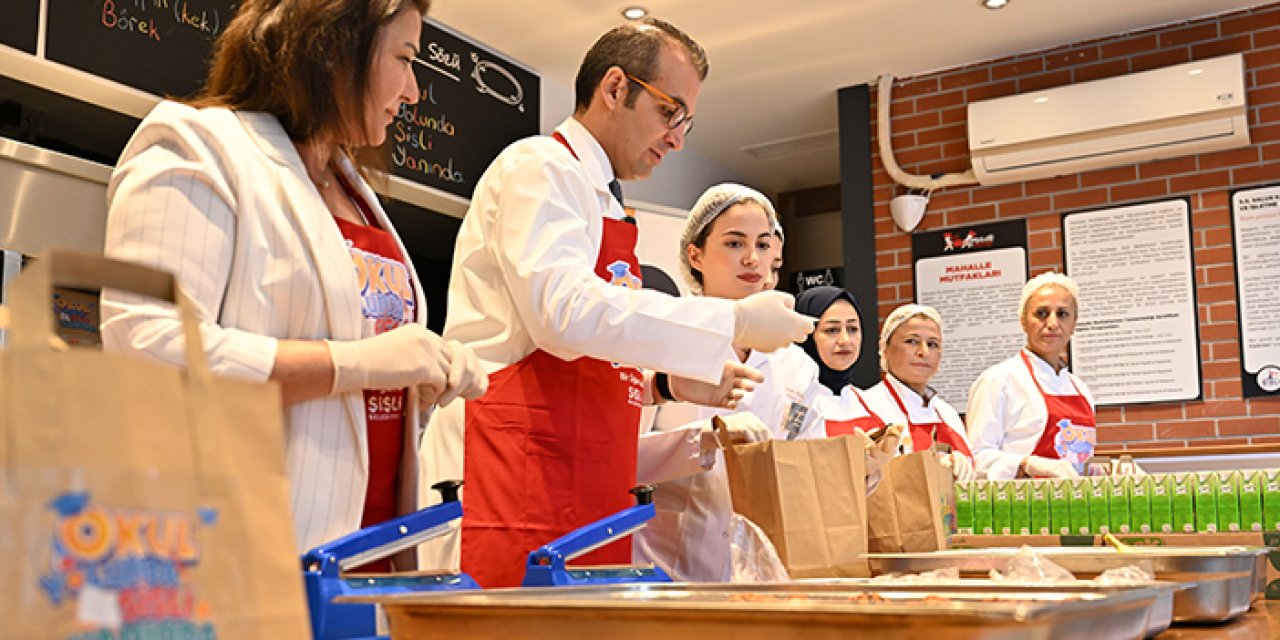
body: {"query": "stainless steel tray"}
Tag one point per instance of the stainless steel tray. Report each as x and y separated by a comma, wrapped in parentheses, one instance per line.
(1159, 616)
(678, 611)
(1225, 578)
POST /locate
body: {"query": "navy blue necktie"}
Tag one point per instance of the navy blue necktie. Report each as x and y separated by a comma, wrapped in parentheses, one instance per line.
(616, 189)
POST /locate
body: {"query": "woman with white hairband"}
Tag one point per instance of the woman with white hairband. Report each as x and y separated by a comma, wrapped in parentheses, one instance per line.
(910, 353)
(1028, 415)
(727, 251)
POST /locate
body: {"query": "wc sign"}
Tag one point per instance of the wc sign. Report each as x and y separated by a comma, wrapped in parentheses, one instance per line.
(829, 276)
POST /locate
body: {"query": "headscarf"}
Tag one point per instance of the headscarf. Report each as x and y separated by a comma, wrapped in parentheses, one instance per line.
(815, 302)
(895, 320)
(710, 205)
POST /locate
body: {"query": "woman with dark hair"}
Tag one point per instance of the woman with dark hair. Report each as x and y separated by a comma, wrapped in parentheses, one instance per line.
(252, 195)
(835, 346)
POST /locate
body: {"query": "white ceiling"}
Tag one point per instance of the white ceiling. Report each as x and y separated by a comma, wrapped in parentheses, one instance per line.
(776, 66)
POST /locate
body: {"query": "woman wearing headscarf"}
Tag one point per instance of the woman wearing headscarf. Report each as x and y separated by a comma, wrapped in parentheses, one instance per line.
(910, 353)
(1028, 415)
(834, 347)
(726, 252)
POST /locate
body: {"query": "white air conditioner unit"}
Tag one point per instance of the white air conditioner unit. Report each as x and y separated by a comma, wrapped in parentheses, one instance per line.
(1189, 108)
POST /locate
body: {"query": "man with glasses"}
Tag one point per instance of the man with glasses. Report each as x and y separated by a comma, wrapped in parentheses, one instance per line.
(545, 289)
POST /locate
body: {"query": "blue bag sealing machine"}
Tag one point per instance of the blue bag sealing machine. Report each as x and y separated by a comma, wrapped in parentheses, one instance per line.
(323, 569)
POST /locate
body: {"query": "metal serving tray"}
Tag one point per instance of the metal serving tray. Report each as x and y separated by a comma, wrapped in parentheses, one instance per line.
(759, 612)
(1159, 616)
(1224, 578)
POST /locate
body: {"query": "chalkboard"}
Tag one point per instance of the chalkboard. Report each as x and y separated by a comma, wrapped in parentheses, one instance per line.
(19, 20)
(473, 104)
(159, 46)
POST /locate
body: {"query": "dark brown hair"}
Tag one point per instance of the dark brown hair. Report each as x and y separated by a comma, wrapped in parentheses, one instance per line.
(635, 47)
(306, 62)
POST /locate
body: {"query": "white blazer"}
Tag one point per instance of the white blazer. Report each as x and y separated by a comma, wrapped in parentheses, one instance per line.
(222, 199)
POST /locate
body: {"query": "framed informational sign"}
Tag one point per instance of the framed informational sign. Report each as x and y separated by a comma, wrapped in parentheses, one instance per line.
(1137, 335)
(1255, 223)
(973, 276)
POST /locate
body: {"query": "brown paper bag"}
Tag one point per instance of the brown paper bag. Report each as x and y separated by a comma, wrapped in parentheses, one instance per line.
(137, 500)
(809, 497)
(914, 507)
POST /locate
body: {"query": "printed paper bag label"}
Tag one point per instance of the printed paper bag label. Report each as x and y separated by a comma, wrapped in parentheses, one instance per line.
(127, 571)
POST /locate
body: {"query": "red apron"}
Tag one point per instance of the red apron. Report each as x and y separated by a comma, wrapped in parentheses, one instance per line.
(552, 445)
(866, 424)
(924, 432)
(1070, 432)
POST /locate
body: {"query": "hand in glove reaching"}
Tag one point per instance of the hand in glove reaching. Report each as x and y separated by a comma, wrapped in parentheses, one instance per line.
(735, 381)
(960, 464)
(736, 428)
(1041, 467)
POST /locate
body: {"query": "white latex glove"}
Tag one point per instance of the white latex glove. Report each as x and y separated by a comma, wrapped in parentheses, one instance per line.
(766, 321)
(880, 453)
(736, 379)
(740, 428)
(466, 375)
(1040, 467)
(402, 357)
(960, 464)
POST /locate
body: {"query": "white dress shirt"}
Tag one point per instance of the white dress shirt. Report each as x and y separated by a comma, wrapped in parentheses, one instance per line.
(1007, 414)
(524, 278)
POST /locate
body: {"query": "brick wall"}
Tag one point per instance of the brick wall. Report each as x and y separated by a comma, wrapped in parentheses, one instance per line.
(929, 137)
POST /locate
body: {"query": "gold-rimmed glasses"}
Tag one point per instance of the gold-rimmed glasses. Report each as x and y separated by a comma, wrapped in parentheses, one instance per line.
(679, 116)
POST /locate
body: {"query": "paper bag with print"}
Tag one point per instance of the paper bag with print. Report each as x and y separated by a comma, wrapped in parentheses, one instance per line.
(139, 500)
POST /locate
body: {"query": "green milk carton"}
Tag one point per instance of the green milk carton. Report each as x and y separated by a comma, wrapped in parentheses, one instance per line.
(1002, 507)
(1121, 488)
(1271, 500)
(1206, 501)
(1252, 485)
(1183, 494)
(1162, 504)
(1080, 490)
(1060, 506)
(1228, 500)
(1040, 518)
(1099, 507)
(982, 507)
(964, 508)
(1140, 504)
(1020, 504)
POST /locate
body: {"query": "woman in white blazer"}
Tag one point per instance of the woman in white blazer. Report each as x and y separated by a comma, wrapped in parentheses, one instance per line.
(250, 196)
(727, 250)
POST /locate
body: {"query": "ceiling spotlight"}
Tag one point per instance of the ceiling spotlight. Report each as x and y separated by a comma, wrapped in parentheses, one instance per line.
(634, 12)
(994, 4)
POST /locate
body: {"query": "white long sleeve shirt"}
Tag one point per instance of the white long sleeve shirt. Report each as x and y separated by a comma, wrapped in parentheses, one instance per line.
(524, 278)
(1007, 414)
(689, 536)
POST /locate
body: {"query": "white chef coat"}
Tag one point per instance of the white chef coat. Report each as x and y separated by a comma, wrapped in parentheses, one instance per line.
(918, 409)
(523, 278)
(1007, 414)
(689, 536)
(845, 406)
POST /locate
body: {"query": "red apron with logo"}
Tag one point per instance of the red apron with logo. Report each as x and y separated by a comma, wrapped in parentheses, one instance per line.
(866, 424)
(552, 445)
(925, 432)
(1070, 432)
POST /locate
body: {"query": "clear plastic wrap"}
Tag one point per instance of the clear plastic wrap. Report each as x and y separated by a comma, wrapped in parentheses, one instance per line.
(753, 555)
(1029, 566)
(937, 576)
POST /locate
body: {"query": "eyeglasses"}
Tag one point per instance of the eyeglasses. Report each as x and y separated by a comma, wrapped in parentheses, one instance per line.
(679, 117)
